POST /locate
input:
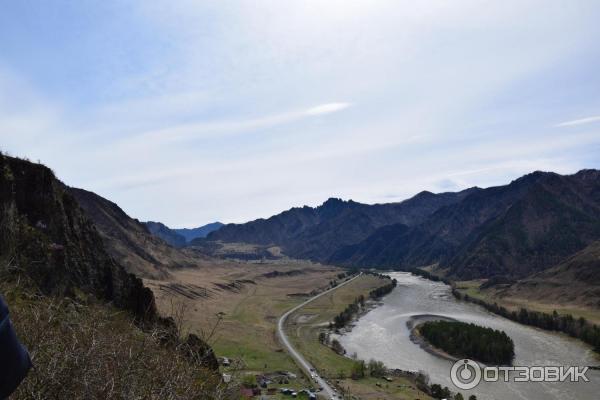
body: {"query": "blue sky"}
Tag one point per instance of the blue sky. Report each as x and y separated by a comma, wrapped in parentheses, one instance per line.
(189, 112)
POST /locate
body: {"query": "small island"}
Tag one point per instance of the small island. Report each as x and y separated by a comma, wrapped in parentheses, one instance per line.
(465, 340)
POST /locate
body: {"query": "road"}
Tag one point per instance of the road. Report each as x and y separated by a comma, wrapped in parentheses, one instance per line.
(327, 389)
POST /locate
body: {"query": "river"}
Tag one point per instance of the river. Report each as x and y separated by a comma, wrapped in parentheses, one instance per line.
(382, 334)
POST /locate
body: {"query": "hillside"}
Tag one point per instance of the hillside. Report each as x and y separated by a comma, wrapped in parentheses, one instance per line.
(576, 281)
(92, 328)
(515, 230)
(128, 240)
(315, 233)
(45, 235)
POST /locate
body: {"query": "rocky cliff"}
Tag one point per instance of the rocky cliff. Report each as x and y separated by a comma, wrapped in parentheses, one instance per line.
(46, 236)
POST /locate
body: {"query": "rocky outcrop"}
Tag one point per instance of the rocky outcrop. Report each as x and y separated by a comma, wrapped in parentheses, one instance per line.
(46, 237)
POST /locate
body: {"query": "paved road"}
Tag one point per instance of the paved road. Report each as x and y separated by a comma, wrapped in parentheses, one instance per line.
(327, 389)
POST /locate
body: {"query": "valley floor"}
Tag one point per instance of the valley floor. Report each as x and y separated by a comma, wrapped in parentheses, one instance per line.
(235, 307)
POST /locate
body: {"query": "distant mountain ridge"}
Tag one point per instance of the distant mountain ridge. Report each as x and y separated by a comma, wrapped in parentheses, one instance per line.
(529, 225)
(201, 232)
(515, 230)
(167, 234)
(316, 233)
(182, 236)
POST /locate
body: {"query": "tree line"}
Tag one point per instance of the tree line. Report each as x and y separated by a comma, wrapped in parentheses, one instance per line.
(428, 275)
(461, 339)
(344, 317)
(383, 290)
(578, 328)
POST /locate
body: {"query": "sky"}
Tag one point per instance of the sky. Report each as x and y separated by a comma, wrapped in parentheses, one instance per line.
(189, 112)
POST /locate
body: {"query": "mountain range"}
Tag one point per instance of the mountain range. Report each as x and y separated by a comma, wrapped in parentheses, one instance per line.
(540, 230)
(316, 233)
(530, 225)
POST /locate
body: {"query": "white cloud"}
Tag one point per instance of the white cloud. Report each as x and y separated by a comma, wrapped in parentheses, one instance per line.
(327, 108)
(238, 113)
(580, 121)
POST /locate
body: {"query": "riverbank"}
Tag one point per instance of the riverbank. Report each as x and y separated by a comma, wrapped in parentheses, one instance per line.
(383, 335)
(579, 329)
(549, 317)
(305, 325)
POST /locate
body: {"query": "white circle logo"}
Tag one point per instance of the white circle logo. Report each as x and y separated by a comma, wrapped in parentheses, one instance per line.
(465, 374)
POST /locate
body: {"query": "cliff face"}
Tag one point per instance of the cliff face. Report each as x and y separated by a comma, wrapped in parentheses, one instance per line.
(45, 235)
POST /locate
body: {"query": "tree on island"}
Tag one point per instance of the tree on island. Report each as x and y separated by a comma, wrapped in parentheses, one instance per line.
(469, 340)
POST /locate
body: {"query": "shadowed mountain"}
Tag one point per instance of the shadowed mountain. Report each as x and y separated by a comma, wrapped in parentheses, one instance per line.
(180, 237)
(530, 225)
(316, 233)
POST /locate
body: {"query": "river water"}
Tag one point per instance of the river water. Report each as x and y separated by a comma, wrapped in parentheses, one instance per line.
(382, 334)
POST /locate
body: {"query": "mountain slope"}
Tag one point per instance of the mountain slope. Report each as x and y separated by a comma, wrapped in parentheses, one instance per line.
(129, 241)
(85, 320)
(575, 281)
(316, 233)
(531, 224)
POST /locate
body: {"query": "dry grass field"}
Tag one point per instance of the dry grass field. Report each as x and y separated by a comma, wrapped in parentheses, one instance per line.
(235, 306)
(531, 301)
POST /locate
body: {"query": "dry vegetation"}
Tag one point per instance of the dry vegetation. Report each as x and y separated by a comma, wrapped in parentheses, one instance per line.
(247, 298)
(541, 298)
(85, 350)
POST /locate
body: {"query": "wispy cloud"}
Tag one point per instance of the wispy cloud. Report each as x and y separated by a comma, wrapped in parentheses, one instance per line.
(214, 110)
(580, 121)
(191, 131)
(327, 108)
